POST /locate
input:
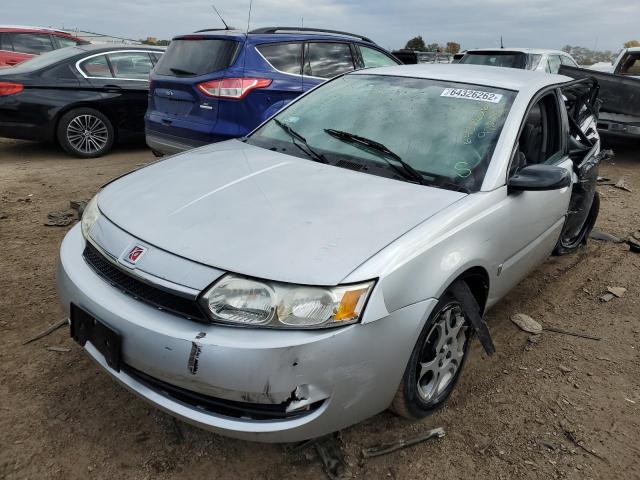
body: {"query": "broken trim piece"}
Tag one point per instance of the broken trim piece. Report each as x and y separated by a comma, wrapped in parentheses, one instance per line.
(220, 406)
(472, 310)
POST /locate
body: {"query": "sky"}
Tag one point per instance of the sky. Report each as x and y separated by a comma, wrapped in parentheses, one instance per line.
(595, 24)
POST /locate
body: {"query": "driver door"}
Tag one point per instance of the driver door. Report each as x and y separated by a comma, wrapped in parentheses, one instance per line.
(581, 113)
(536, 218)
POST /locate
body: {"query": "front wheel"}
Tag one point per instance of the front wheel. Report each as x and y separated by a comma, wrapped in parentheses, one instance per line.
(436, 361)
(85, 133)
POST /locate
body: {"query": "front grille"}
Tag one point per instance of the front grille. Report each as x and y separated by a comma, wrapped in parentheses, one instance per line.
(228, 408)
(159, 298)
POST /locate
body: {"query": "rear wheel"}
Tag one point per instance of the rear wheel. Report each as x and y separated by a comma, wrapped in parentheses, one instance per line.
(567, 244)
(85, 133)
(436, 361)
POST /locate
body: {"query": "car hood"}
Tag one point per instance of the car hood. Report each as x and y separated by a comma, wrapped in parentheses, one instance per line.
(253, 211)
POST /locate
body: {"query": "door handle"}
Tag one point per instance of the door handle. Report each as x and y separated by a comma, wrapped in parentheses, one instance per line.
(112, 88)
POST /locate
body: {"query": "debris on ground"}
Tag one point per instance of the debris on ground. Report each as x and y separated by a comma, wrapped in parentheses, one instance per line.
(59, 219)
(3, 216)
(622, 186)
(578, 443)
(634, 244)
(617, 291)
(330, 453)
(59, 349)
(605, 237)
(552, 328)
(48, 331)
(607, 297)
(526, 323)
(603, 179)
(564, 369)
(78, 206)
(386, 448)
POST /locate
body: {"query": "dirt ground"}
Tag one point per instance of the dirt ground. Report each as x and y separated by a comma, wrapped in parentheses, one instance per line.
(555, 407)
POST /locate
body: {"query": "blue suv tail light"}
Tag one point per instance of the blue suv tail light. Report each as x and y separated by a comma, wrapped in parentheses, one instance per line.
(232, 88)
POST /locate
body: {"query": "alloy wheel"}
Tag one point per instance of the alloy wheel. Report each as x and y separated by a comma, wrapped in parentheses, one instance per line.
(87, 134)
(442, 353)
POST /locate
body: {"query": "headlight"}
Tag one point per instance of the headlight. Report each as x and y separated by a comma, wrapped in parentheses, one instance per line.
(246, 301)
(90, 216)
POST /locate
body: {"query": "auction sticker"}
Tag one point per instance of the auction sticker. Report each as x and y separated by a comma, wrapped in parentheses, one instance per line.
(471, 95)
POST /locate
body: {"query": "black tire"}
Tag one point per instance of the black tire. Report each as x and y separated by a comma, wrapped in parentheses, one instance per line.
(410, 400)
(565, 246)
(85, 133)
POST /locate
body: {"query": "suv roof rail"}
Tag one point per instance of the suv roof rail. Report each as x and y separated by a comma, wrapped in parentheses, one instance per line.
(308, 30)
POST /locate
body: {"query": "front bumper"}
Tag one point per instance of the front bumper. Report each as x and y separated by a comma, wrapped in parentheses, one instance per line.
(618, 127)
(346, 374)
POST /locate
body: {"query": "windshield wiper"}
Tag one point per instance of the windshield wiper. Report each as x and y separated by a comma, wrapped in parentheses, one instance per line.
(407, 171)
(179, 71)
(308, 151)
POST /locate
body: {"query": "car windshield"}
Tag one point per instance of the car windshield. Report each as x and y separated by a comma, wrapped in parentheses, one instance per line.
(44, 60)
(496, 59)
(444, 131)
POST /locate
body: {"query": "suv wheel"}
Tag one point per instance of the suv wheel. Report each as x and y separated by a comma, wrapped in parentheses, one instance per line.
(436, 361)
(85, 133)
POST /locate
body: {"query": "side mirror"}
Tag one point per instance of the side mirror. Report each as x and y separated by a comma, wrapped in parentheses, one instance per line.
(539, 177)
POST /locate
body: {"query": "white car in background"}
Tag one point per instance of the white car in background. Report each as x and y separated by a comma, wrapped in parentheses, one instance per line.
(523, 58)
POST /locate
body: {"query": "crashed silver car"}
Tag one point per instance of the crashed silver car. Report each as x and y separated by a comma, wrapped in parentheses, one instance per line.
(338, 260)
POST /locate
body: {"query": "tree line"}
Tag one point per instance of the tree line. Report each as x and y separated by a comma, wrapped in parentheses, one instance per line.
(417, 44)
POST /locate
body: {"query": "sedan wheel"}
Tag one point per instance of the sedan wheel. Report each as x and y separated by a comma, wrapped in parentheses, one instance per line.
(442, 354)
(436, 361)
(85, 133)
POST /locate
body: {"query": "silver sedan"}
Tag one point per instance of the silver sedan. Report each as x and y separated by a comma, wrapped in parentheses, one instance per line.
(338, 260)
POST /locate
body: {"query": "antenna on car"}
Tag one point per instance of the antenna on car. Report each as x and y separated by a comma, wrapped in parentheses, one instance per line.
(501, 44)
(246, 42)
(226, 27)
(249, 17)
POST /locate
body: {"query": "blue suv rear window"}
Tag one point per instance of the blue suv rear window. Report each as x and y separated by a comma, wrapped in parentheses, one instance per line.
(192, 57)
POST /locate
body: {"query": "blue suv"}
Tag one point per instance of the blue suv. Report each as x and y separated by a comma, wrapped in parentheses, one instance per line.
(213, 85)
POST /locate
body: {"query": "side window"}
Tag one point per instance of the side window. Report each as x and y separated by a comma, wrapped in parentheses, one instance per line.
(568, 61)
(326, 60)
(284, 57)
(155, 57)
(629, 65)
(375, 58)
(96, 67)
(5, 42)
(33, 43)
(131, 65)
(534, 61)
(540, 138)
(554, 63)
(65, 42)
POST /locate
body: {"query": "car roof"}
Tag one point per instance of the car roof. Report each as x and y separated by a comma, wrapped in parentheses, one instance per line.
(515, 79)
(98, 47)
(28, 29)
(538, 51)
(632, 49)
